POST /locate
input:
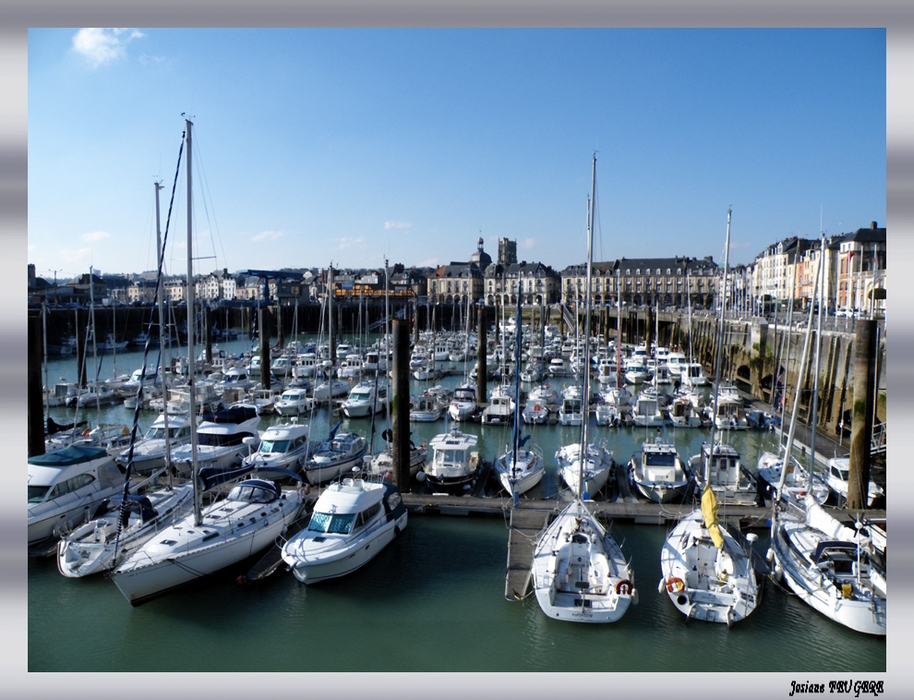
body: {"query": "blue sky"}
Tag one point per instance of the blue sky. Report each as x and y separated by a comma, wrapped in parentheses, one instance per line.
(314, 146)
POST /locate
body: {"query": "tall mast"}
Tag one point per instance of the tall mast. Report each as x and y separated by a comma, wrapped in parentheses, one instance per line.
(585, 408)
(160, 303)
(720, 338)
(192, 402)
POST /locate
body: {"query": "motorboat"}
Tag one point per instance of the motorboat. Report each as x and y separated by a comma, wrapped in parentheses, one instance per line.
(463, 405)
(521, 467)
(335, 457)
(692, 375)
(149, 452)
(500, 410)
(425, 408)
(235, 378)
(283, 446)
(658, 472)
(293, 402)
(382, 464)
(707, 571)
(646, 411)
(837, 476)
(352, 521)
(331, 389)
(243, 523)
(120, 527)
(223, 440)
(579, 572)
(722, 468)
(793, 486)
(454, 464)
(365, 399)
(571, 410)
(65, 488)
(683, 414)
(535, 413)
(730, 413)
(832, 568)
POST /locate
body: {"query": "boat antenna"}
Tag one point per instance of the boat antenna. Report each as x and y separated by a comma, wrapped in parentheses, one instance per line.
(720, 343)
(585, 408)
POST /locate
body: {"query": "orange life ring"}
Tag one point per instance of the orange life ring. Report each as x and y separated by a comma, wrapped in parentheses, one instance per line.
(86, 432)
(624, 587)
(675, 585)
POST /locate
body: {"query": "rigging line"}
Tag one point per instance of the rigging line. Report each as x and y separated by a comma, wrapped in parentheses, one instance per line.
(139, 392)
(207, 204)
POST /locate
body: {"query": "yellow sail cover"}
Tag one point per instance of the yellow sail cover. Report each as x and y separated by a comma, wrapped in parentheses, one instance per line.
(709, 512)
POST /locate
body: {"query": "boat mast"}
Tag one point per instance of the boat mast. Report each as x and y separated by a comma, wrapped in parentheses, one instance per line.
(585, 408)
(160, 303)
(820, 288)
(720, 344)
(192, 406)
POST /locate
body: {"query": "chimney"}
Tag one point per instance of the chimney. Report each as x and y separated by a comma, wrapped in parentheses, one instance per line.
(873, 225)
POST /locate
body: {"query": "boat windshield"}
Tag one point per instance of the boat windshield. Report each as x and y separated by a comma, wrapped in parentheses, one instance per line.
(660, 459)
(449, 457)
(340, 524)
(274, 446)
(37, 493)
(360, 395)
(156, 433)
(251, 493)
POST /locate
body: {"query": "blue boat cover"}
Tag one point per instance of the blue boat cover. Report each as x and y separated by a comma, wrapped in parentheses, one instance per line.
(65, 456)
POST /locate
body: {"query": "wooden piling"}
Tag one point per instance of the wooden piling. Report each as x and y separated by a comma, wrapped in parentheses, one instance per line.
(862, 426)
(35, 399)
(400, 405)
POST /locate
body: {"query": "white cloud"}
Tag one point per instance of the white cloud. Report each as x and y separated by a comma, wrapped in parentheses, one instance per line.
(528, 244)
(95, 236)
(100, 46)
(397, 225)
(268, 236)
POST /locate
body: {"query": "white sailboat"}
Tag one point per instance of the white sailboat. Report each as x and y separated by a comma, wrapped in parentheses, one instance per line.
(708, 572)
(243, 523)
(718, 463)
(521, 467)
(835, 570)
(579, 571)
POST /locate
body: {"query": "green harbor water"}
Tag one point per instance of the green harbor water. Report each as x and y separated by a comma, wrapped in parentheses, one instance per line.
(433, 601)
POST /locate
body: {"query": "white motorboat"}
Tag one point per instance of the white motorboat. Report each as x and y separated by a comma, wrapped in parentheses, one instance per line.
(579, 572)
(571, 410)
(730, 413)
(235, 379)
(838, 476)
(658, 472)
(223, 440)
(646, 411)
(352, 521)
(101, 544)
(794, 485)
(65, 488)
(500, 410)
(463, 406)
(535, 413)
(835, 570)
(335, 457)
(331, 389)
(425, 409)
(293, 402)
(707, 572)
(365, 399)
(692, 375)
(454, 463)
(149, 452)
(721, 467)
(381, 465)
(284, 446)
(682, 413)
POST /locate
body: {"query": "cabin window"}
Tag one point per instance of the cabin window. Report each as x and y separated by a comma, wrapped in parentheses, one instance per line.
(70, 485)
(366, 515)
(37, 493)
(340, 524)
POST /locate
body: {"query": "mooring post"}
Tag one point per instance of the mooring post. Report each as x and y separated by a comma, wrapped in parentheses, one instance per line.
(35, 397)
(862, 425)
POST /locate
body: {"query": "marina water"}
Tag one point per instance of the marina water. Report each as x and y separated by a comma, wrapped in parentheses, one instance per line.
(433, 601)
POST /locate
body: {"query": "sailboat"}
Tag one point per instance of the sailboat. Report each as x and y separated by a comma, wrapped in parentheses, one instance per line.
(246, 521)
(579, 571)
(520, 468)
(718, 463)
(835, 570)
(707, 571)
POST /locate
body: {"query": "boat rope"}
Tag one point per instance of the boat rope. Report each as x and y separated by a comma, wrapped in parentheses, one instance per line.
(122, 513)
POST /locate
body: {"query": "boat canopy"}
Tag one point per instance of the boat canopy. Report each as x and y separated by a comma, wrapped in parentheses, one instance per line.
(66, 456)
